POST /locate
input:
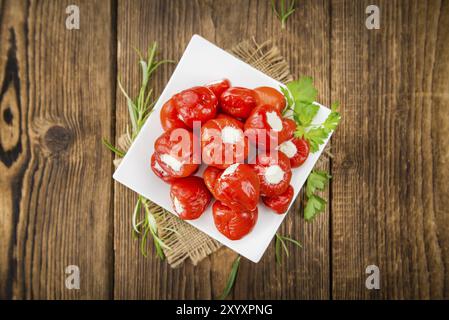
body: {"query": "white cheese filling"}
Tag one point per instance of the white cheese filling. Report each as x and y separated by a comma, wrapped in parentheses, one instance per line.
(288, 148)
(231, 135)
(158, 167)
(178, 206)
(230, 170)
(274, 174)
(274, 121)
(171, 161)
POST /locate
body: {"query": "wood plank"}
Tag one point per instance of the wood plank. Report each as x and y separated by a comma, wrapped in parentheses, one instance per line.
(390, 172)
(226, 23)
(55, 187)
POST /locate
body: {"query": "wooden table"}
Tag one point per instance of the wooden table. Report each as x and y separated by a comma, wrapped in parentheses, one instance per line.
(389, 196)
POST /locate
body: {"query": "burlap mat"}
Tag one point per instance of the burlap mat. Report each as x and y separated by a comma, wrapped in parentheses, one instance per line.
(185, 241)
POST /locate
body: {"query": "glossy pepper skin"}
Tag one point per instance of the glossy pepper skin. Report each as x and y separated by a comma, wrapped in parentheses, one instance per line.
(219, 152)
(279, 203)
(238, 102)
(302, 152)
(210, 176)
(271, 96)
(178, 144)
(233, 224)
(290, 128)
(159, 171)
(190, 197)
(218, 87)
(238, 189)
(170, 117)
(258, 124)
(195, 104)
(263, 163)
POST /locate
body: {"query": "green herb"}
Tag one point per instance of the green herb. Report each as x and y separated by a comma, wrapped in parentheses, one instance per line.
(317, 181)
(231, 279)
(139, 109)
(118, 152)
(301, 96)
(315, 205)
(283, 10)
(281, 244)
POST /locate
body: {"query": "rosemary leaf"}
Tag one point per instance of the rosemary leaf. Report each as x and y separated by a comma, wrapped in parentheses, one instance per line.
(117, 151)
(231, 279)
(283, 10)
(278, 250)
(135, 213)
(297, 243)
(281, 244)
(143, 242)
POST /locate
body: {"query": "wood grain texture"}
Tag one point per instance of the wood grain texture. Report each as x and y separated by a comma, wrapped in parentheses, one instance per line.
(390, 193)
(55, 188)
(171, 24)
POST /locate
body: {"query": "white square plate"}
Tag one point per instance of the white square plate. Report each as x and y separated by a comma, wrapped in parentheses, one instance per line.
(201, 63)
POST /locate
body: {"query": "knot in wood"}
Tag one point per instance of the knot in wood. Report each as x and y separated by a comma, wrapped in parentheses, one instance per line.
(57, 138)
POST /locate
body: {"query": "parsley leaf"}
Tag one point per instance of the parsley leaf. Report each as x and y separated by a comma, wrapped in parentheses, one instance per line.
(303, 90)
(305, 112)
(315, 205)
(332, 121)
(318, 135)
(316, 180)
(300, 96)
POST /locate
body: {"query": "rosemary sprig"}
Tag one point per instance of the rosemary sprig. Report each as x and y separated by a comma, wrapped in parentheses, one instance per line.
(117, 151)
(231, 279)
(139, 109)
(281, 244)
(283, 10)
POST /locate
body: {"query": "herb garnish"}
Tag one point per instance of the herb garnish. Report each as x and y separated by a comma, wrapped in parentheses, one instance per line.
(283, 10)
(281, 243)
(231, 279)
(317, 181)
(139, 109)
(301, 96)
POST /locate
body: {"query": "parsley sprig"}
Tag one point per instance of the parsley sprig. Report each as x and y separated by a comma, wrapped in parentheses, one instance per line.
(301, 96)
(317, 181)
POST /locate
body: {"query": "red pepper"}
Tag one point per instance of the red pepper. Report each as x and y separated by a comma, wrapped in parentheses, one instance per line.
(280, 203)
(195, 104)
(190, 197)
(210, 176)
(159, 170)
(174, 152)
(274, 173)
(238, 187)
(170, 117)
(266, 121)
(238, 102)
(233, 224)
(271, 96)
(218, 87)
(223, 142)
(297, 150)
